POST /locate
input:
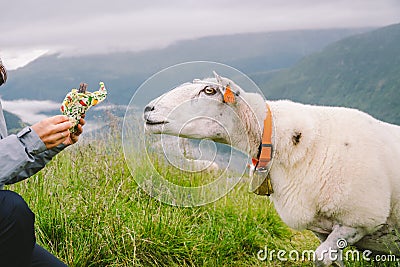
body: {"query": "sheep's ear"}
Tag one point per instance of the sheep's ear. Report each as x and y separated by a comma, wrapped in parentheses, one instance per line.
(218, 78)
(229, 96)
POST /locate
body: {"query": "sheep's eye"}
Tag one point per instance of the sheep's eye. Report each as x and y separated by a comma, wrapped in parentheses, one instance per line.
(209, 90)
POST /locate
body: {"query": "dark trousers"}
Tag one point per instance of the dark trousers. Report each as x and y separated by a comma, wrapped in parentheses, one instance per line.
(18, 246)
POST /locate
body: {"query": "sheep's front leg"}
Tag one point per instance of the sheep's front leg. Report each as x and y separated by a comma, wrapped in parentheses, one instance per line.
(331, 249)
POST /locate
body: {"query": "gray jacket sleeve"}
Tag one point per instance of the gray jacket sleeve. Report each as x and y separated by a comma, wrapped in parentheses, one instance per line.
(22, 155)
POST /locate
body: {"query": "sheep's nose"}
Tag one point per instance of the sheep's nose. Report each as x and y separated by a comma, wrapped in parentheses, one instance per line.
(147, 110)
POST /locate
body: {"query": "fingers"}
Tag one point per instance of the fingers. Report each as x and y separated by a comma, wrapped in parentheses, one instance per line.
(58, 119)
(74, 137)
(53, 131)
(65, 134)
(61, 127)
(55, 124)
(79, 128)
(82, 121)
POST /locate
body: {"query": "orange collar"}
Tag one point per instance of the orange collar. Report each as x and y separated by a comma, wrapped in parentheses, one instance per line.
(265, 151)
(264, 158)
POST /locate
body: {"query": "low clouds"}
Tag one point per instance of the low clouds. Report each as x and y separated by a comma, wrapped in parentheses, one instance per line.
(81, 27)
(30, 111)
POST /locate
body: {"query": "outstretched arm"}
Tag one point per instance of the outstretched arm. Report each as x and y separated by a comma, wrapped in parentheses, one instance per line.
(40, 160)
(28, 151)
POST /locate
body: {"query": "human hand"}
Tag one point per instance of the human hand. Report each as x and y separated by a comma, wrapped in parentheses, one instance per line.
(74, 137)
(53, 131)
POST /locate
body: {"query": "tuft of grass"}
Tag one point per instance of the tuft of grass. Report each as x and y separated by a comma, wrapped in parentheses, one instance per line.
(90, 212)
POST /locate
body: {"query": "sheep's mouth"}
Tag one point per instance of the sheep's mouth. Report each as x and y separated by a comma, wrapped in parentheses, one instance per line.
(150, 122)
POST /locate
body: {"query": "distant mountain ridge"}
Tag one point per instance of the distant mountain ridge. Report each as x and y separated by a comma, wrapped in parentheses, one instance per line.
(361, 71)
(51, 76)
(353, 68)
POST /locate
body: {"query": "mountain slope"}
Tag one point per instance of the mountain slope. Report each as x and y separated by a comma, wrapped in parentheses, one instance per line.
(14, 123)
(361, 71)
(50, 77)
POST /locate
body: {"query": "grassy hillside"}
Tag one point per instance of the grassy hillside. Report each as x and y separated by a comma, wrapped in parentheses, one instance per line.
(361, 71)
(91, 213)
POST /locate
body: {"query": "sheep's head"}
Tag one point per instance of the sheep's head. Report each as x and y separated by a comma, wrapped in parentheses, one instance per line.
(214, 108)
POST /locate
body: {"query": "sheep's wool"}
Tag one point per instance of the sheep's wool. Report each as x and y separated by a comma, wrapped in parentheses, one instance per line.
(334, 170)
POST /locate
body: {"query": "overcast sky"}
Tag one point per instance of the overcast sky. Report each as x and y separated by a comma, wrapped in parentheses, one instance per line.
(31, 28)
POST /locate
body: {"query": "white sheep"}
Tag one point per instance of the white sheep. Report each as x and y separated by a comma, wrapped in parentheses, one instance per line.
(334, 170)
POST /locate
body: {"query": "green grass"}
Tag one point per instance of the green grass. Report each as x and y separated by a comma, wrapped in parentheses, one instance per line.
(90, 212)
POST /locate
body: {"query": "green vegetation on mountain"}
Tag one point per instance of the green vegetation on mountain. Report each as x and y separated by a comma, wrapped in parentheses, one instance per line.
(14, 123)
(362, 71)
(50, 77)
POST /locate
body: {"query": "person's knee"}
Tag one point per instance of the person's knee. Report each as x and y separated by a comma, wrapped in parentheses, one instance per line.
(17, 234)
(16, 210)
(20, 208)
